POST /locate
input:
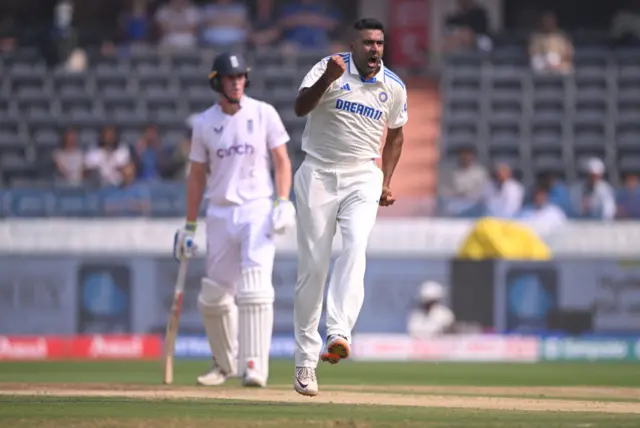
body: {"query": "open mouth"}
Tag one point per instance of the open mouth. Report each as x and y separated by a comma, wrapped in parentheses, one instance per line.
(372, 61)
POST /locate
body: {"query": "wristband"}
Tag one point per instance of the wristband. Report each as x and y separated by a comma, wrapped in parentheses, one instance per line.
(191, 226)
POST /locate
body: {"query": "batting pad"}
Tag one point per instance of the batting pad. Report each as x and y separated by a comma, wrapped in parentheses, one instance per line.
(255, 306)
(220, 319)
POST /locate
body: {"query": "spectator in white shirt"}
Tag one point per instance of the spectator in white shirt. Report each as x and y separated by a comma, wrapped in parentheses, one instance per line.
(504, 194)
(178, 21)
(433, 318)
(593, 198)
(111, 160)
(69, 159)
(463, 185)
(541, 216)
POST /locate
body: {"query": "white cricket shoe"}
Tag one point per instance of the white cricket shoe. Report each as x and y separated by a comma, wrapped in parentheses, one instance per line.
(336, 349)
(214, 377)
(305, 382)
(253, 377)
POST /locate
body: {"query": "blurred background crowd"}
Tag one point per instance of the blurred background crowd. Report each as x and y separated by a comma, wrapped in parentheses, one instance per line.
(530, 113)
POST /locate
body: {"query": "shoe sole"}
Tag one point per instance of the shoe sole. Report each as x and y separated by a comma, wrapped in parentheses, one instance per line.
(305, 392)
(338, 350)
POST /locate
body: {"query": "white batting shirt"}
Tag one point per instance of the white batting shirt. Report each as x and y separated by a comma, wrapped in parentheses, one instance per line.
(349, 121)
(237, 150)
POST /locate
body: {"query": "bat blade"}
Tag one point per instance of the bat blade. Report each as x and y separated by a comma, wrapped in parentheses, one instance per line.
(173, 324)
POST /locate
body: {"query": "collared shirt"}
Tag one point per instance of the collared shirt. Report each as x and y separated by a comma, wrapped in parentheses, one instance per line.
(348, 123)
(437, 321)
(599, 203)
(236, 149)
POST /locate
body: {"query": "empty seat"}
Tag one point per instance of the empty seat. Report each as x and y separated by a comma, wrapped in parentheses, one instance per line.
(629, 109)
(463, 109)
(71, 104)
(70, 83)
(629, 88)
(505, 109)
(591, 109)
(546, 136)
(505, 87)
(628, 136)
(548, 109)
(589, 138)
(545, 163)
(629, 164)
(120, 104)
(461, 85)
(548, 87)
(593, 86)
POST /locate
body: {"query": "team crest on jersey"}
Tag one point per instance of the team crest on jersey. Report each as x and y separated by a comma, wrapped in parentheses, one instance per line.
(383, 96)
(250, 126)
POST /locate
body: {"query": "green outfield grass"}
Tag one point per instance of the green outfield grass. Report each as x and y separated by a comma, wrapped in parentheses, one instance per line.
(344, 382)
(350, 373)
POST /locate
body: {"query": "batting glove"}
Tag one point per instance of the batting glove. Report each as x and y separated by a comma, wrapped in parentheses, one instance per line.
(184, 246)
(283, 215)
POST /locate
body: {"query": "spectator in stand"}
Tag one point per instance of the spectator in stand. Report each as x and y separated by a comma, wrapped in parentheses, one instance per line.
(469, 27)
(149, 155)
(265, 30)
(541, 216)
(550, 49)
(8, 28)
(625, 26)
(179, 160)
(464, 185)
(134, 23)
(309, 24)
(593, 198)
(225, 24)
(432, 318)
(557, 191)
(69, 159)
(111, 160)
(504, 194)
(178, 21)
(628, 198)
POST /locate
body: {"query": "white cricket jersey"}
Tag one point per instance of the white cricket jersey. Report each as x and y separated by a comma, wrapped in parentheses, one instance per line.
(349, 121)
(237, 150)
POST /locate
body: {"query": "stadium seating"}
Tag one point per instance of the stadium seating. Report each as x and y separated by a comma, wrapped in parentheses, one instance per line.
(37, 104)
(541, 122)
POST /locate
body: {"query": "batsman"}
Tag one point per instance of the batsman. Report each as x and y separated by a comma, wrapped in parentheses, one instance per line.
(233, 143)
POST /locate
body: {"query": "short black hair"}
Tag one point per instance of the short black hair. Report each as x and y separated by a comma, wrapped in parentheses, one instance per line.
(368, 24)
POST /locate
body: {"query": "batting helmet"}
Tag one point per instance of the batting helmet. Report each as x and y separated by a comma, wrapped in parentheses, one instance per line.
(227, 64)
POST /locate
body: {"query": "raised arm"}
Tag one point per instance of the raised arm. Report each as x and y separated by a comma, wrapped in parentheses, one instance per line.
(316, 83)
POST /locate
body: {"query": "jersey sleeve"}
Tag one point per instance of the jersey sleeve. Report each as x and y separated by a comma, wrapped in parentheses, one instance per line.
(198, 147)
(313, 75)
(399, 116)
(277, 134)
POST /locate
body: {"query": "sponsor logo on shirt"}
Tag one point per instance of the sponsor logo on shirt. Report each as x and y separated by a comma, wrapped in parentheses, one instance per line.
(235, 150)
(359, 109)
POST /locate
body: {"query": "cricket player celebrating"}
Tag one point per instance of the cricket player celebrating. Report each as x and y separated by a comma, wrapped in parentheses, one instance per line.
(349, 99)
(230, 152)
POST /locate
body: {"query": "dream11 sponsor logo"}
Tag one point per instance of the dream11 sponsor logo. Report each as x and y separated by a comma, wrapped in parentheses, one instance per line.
(236, 150)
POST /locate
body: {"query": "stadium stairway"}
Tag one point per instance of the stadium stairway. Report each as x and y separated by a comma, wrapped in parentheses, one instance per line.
(414, 182)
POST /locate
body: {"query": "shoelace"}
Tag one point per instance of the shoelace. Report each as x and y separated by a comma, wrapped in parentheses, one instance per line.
(305, 373)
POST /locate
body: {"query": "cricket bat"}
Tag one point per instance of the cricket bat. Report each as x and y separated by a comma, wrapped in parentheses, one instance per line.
(174, 322)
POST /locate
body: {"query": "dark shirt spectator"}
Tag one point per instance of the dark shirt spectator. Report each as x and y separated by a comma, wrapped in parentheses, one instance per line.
(149, 155)
(625, 26)
(309, 23)
(469, 28)
(628, 198)
(265, 30)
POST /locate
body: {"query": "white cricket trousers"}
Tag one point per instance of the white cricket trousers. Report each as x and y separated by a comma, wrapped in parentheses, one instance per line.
(239, 237)
(328, 195)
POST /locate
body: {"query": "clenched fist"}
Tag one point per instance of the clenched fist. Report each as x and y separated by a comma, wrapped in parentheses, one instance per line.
(335, 68)
(386, 199)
